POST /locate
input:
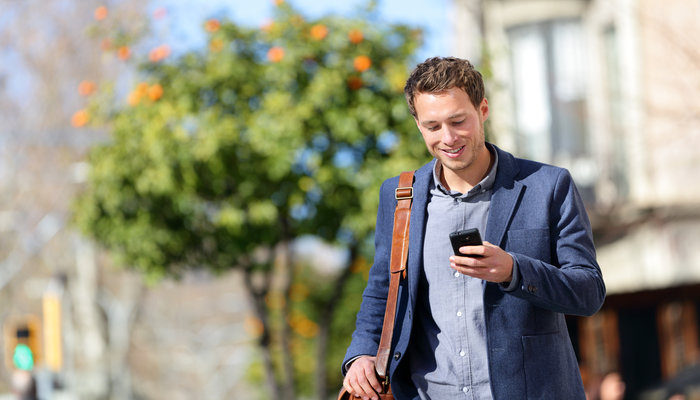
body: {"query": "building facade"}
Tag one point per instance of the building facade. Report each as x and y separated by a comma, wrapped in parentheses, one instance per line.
(610, 89)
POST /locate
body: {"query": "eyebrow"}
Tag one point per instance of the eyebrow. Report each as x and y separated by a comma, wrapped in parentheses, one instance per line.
(453, 116)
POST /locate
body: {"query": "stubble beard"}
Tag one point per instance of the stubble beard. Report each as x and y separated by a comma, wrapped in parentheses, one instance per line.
(456, 165)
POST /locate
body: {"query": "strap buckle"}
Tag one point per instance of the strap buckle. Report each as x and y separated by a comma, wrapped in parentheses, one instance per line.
(385, 384)
(403, 193)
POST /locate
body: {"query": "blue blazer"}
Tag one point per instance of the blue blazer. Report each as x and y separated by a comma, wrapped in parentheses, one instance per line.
(537, 215)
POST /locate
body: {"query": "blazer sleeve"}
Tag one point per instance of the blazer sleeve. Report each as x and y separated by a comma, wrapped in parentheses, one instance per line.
(572, 282)
(368, 325)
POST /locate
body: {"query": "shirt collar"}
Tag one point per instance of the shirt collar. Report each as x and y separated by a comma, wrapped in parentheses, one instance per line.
(484, 185)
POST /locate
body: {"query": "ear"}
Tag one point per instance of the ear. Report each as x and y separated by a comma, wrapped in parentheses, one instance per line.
(484, 109)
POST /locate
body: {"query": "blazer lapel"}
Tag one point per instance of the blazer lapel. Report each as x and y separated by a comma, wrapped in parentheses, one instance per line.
(504, 199)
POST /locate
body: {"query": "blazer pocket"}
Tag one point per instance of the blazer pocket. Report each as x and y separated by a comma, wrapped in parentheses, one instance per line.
(530, 242)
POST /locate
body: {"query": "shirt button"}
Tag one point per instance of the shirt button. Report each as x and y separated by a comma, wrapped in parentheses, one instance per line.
(456, 274)
(462, 353)
(465, 389)
(459, 313)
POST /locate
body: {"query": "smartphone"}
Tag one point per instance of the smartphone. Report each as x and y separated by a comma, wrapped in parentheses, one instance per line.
(467, 237)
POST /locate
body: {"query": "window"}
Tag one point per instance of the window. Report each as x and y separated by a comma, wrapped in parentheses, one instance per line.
(549, 81)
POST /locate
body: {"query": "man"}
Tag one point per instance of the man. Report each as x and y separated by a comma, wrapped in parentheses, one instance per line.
(489, 325)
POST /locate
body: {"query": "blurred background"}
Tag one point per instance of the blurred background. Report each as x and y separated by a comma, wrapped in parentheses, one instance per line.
(189, 188)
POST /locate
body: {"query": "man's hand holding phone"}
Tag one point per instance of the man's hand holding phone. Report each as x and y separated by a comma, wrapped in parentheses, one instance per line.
(478, 259)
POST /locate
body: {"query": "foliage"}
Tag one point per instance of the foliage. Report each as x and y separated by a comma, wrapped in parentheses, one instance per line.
(264, 136)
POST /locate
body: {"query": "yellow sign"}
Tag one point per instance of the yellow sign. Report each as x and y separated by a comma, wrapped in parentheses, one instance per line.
(53, 350)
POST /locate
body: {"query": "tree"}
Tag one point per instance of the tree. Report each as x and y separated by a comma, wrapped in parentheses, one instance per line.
(222, 157)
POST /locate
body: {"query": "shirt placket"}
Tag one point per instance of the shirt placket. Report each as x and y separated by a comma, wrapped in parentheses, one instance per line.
(462, 289)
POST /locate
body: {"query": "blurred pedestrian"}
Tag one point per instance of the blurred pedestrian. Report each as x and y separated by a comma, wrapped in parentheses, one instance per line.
(612, 387)
(23, 385)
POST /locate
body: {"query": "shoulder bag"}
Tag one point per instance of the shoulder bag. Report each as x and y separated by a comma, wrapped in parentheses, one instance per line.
(397, 268)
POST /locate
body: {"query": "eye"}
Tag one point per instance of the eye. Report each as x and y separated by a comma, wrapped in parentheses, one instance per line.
(455, 123)
(434, 128)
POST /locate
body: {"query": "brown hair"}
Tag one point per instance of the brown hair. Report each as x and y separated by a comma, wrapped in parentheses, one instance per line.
(439, 74)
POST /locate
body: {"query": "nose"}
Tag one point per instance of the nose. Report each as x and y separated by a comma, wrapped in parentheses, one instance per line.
(448, 137)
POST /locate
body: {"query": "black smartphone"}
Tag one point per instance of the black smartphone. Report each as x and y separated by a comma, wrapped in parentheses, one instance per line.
(467, 237)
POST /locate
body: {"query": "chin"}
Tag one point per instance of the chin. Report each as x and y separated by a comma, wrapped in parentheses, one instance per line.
(456, 165)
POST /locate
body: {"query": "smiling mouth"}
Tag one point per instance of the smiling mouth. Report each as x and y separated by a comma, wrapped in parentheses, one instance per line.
(453, 151)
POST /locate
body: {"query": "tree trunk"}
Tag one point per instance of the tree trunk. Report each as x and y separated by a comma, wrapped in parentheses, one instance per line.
(257, 297)
(286, 332)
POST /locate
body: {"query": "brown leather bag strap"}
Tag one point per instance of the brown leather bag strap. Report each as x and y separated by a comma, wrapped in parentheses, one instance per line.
(397, 268)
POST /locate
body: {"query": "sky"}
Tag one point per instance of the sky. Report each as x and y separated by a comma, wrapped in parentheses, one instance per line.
(429, 15)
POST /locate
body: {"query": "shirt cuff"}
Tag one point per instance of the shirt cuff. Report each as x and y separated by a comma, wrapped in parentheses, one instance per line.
(514, 280)
(346, 366)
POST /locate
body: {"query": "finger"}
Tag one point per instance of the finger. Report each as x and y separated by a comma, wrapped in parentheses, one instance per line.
(473, 251)
(368, 390)
(356, 388)
(373, 381)
(471, 262)
(471, 267)
(352, 380)
(359, 385)
(347, 386)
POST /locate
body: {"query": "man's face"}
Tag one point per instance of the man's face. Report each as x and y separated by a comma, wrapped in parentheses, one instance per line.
(452, 128)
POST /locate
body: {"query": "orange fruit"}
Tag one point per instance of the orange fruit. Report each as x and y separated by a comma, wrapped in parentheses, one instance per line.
(212, 25)
(275, 54)
(86, 88)
(355, 36)
(142, 88)
(155, 92)
(124, 52)
(80, 118)
(319, 31)
(362, 63)
(159, 53)
(100, 13)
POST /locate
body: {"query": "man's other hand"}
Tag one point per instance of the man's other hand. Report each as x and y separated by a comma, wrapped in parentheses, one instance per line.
(361, 380)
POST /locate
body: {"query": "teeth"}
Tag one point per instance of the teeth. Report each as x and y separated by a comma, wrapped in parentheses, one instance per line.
(453, 151)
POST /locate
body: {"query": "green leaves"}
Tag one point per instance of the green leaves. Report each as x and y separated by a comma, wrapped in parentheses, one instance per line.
(243, 148)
